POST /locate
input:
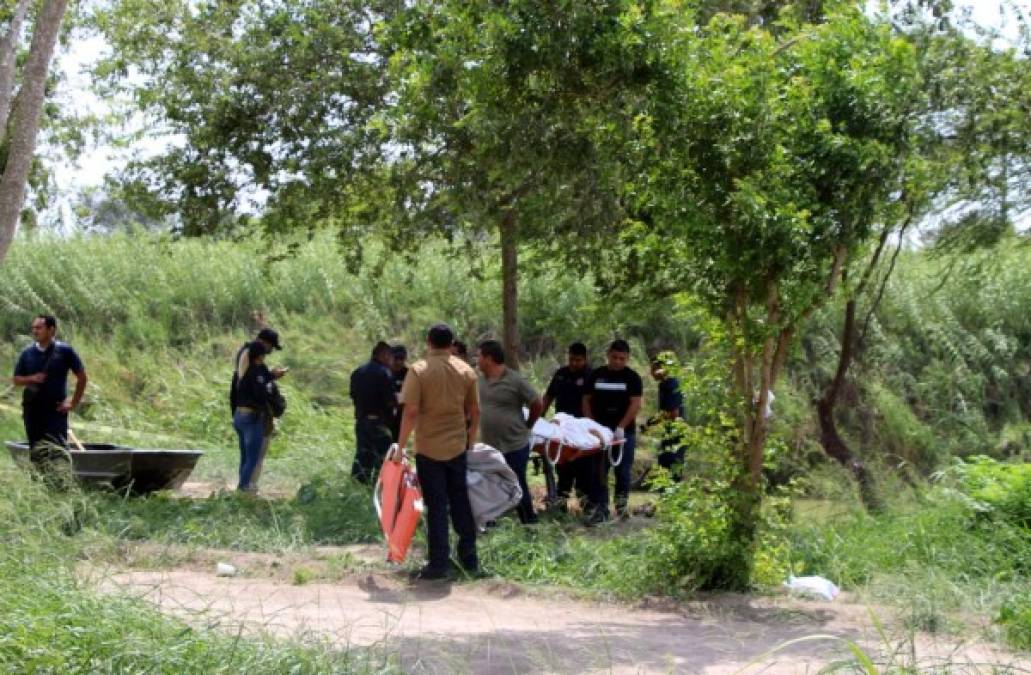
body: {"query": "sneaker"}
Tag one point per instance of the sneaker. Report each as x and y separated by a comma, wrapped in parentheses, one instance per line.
(428, 573)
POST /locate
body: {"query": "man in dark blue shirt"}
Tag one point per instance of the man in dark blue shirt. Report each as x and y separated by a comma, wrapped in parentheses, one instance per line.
(566, 389)
(43, 370)
(671, 408)
(613, 400)
(375, 400)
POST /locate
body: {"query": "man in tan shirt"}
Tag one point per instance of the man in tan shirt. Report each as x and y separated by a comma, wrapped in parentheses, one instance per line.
(441, 407)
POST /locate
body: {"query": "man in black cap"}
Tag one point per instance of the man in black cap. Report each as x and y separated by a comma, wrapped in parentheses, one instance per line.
(398, 371)
(270, 340)
(372, 391)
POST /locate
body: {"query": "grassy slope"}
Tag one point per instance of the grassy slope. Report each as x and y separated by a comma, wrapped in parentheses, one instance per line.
(157, 324)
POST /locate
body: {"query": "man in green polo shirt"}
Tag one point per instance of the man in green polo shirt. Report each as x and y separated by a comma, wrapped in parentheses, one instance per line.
(503, 393)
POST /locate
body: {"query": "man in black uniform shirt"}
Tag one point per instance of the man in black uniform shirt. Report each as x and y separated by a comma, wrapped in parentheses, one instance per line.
(398, 372)
(566, 389)
(372, 391)
(613, 399)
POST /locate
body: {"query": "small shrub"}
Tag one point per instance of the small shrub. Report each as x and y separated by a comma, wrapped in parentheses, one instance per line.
(1015, 618)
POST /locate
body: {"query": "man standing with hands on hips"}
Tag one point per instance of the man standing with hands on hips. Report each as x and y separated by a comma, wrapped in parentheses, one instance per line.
(441, 407)
(613, 400)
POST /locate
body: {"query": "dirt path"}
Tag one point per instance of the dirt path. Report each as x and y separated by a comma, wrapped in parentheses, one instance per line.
(495, 627)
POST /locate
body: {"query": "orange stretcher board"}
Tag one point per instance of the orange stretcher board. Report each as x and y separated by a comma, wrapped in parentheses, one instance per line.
(398, 502)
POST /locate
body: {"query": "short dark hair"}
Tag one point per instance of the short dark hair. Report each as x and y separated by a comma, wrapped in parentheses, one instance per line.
(578, 349)
(441, 336)
(49, 320)
(493, 349)
(380, 349)
(400, 351)
(460, 347)
(620, 346)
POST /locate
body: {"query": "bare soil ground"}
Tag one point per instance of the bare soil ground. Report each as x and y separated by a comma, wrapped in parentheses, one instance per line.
(493, 626)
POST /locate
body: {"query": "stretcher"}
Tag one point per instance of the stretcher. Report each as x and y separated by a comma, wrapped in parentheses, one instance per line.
(398, 502)
(555, 451)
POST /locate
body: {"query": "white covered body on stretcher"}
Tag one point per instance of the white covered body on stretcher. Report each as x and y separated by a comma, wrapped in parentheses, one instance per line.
(566, 438)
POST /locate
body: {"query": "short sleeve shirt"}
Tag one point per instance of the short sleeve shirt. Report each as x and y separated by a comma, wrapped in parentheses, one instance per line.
(502, 425)
(441, 387)
(611, 391)
(567, 388)
(372, 391)
(670, 397)
(57, 360)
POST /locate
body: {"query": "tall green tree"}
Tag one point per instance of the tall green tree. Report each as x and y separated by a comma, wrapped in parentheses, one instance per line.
(768, 157)
(265, 105)
(494, 121)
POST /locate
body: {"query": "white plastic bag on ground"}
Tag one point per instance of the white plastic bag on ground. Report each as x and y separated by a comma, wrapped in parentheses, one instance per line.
(818, 586)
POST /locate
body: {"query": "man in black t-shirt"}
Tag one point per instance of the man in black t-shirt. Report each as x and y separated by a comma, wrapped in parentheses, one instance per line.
(566, 389)
(43, 369)
(613, 400)
(375, 400)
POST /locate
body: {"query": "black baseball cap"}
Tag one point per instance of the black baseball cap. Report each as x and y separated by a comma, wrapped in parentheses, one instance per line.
(270, 336)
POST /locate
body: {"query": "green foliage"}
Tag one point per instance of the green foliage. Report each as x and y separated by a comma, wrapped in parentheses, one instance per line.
(1002, 491)
(1015, 618)
(330, 510)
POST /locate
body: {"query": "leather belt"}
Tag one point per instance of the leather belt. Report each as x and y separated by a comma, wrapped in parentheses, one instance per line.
(246, 409)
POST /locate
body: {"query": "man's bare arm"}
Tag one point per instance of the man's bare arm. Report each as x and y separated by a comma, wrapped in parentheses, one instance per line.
(80, 388)
(408, 418)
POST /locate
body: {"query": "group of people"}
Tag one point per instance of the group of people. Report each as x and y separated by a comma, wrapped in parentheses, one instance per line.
(440, 399)
(448, 406)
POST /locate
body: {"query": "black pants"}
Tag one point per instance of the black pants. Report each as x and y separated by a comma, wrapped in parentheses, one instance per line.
(566, 473)
(444, 489)
(43, 422)
(373, 439)
(517, 461)
(592, 479)
(47, 432)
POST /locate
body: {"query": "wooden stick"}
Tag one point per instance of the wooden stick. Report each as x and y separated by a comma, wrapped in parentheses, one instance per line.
(75, 439)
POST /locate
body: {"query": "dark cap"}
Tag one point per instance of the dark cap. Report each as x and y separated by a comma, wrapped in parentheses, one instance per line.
(270, 336)
(441, 336)
(399, 351)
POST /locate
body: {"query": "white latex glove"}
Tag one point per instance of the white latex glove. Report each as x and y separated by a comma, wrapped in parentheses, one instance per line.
(619, 434)
(394, 452)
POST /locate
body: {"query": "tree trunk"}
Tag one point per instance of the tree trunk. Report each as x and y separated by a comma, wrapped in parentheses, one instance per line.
(830, 439)
(509, 287)
(25, 119)
(8, 61)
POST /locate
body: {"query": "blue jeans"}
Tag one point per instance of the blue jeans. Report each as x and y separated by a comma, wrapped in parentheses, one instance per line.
(517, 461)
(250, 428)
